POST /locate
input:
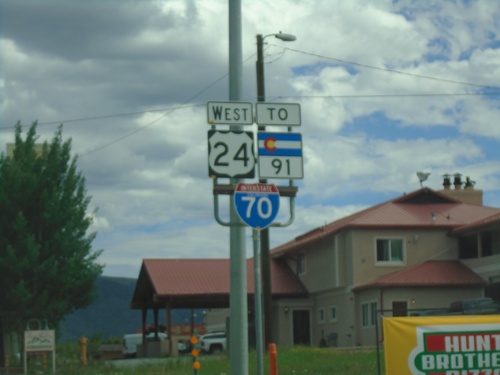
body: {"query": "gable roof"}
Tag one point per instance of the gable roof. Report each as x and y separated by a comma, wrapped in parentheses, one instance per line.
(433, 273)
(189, 283)
(424, 208)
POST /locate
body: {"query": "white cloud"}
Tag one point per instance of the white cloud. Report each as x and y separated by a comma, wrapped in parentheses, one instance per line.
(154, 65)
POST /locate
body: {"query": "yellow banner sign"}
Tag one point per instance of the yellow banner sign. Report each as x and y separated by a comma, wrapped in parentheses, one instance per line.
(442, 345)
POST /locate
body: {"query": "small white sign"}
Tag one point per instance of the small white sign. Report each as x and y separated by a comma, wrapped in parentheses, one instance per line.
(286, 114)
(231, 154)
(39, 341)
(230, 113)
(280, 155)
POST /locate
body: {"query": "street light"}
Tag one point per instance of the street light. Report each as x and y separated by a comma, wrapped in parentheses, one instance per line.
(261, 92)
(264, 233)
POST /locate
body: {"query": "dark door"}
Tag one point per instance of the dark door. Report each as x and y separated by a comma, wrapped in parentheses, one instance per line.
(301, 327)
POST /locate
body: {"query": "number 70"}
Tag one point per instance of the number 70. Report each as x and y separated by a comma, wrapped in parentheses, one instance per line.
(262, 203)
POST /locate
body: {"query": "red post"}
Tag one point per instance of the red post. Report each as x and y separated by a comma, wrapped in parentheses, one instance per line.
(273, 360)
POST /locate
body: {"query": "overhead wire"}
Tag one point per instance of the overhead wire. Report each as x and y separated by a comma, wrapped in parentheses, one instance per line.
(155, 120)
(206, 88)
(346, 62)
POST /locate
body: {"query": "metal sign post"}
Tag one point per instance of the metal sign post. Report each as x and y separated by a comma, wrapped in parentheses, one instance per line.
(259, 334)
(238, 333)
(39, 341)
(232, 159)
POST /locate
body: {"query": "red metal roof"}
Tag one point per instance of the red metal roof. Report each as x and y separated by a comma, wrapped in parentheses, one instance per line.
(189, 280)
(423, 208)
(433, 273)
(490, 221)
(171, 277)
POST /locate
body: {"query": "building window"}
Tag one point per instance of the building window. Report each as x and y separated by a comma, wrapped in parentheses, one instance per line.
(468, 247)
(399, 308)
(301, 264)
(321, 316)
(368, 313)
(373, 312)
(390, 250)
(333, 314)
(486, 244)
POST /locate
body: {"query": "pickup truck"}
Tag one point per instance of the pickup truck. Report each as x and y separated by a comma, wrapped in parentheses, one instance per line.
(483, 305)
(213, 343)
(131, 341)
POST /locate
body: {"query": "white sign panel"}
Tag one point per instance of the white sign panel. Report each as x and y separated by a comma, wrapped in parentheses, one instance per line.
(230, 113)
(286, 114)
(230, 154)
(39, 341)
(280, 155)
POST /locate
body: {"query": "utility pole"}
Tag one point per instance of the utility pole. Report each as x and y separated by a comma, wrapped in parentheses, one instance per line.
(265, 261)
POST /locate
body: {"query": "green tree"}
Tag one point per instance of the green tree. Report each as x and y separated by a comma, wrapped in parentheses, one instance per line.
(47, 265)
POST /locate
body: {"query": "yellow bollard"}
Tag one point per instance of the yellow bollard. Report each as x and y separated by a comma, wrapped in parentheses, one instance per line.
(7, 363)
(44, 362)
(83, 350)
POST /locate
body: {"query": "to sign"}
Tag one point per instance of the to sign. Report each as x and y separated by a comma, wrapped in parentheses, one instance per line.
(287, 114)
(257, 204)
(280, 155)
(230, 154)
(231, 113)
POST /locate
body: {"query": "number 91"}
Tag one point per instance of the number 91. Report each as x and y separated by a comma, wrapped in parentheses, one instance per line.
(278, 165)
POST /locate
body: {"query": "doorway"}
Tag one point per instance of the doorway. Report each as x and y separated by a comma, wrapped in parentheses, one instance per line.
(301, 327)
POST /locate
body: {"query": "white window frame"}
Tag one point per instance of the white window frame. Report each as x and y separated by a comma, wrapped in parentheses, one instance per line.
(365, 314)
(373, 312)
(321, 316)
(390, 262)
(333, 314)
(369, 313)
(301, 264)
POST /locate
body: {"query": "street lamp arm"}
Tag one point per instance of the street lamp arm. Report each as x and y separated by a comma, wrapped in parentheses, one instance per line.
(285, 37)
(260, 60)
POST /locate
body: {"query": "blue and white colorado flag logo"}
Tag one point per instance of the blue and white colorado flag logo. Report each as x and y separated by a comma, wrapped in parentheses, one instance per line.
(280, 144)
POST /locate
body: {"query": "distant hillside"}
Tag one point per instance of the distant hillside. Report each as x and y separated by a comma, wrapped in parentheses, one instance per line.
(110, 314)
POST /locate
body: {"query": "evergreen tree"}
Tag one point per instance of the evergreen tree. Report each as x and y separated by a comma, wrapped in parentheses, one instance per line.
(47, 265)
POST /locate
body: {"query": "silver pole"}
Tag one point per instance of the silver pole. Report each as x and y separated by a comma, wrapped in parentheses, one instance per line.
(238, 316)
(258, 303)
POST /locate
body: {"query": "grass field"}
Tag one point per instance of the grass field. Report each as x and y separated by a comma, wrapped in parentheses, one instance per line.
(291, 361)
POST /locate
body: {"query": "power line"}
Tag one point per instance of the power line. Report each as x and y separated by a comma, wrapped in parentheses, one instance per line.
(386, 69)
(154, 121)
(361, 96)
(342, 96)
(353, 96)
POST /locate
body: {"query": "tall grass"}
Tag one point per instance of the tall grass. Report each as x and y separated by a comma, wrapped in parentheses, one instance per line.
(291, 361)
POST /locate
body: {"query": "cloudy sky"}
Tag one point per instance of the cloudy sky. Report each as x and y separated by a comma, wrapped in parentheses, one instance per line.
(386, 89)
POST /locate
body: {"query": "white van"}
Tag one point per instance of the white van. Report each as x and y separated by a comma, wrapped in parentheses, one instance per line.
(131, 341)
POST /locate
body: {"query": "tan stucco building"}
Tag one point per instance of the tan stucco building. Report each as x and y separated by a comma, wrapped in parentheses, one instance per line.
(413, 253)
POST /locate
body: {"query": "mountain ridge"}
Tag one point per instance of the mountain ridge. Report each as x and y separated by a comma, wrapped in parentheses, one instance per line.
(110, 316)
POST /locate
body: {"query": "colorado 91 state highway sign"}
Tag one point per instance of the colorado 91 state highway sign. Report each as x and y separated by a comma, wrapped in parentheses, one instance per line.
(257, 204)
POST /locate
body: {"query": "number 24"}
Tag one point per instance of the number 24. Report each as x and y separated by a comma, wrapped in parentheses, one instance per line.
(241, 154)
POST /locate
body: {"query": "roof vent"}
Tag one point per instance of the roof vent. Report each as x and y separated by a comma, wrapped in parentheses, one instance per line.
(467, 194)
(469, 184)
(457, 181)
(446, 181)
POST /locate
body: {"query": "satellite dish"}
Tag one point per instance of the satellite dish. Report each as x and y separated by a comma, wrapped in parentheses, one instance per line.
(422, 176)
